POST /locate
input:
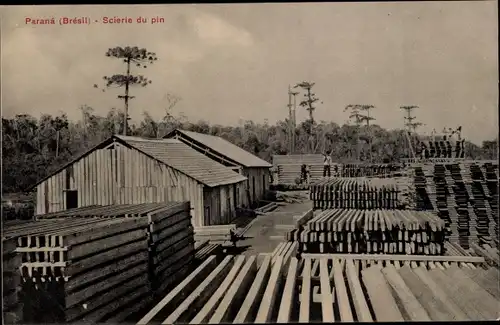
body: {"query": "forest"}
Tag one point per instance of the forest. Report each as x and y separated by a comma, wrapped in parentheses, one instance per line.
(33, 148)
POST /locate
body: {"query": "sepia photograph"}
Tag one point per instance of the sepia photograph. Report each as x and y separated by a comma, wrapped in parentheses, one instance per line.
(250, 162)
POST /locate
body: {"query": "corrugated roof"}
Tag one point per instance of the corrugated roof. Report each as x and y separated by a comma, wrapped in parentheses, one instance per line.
(226, 148)
(180, 156)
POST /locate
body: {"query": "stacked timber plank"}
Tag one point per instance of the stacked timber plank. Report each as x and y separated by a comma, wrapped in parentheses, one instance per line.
(462, 203)
(81, 269)
(441, 149)
(88, 265)
(308, 159)
(204, 249)
(492, 185)
(355, 193)
(290, 173)
(11, 283)
(464, 194)
(371, 231)
(106, 211)
(221, 234)
(369, 170)
(289, 167)
(490, 254)
(365, 288)
(171, 244)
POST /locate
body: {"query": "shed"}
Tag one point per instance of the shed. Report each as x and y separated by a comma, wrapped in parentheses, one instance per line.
(132, 170)
(255, 169)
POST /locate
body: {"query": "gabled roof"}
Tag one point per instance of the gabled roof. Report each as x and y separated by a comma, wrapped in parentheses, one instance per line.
(174, 154)
(222, 147)
(180, 156)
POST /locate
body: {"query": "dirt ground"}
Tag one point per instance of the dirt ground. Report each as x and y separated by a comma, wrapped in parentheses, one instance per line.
(264, 234)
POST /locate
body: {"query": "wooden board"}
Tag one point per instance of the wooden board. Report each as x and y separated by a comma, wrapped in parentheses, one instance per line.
(270, 294)
(175, 296)
(240, 286)
(305, 293)
(361, 307)
(453, 309)
(201, 294)
(209, 308)
(326, 293)
(412, 306)
(436, 309)
(256, 290)
(341, 291)
(381, 299)
(387, 257)
(289, 294)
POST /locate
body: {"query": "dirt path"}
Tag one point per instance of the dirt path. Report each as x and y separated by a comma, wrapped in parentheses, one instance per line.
(260, 234)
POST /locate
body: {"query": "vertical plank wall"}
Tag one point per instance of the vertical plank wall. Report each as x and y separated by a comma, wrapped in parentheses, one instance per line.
(119, 176)
(261, 176)
(216, 201)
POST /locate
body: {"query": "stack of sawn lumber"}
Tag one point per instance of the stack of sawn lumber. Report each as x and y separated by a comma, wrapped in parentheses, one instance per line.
(289, 167)
(82, 265)
(441, 149)
(219, 234)
(465, 195)
(11, 283)
(371, 231)
(355, 193)
(365, 288)
(368, 170)
(410, 288)
(288, 174)
(204, 249)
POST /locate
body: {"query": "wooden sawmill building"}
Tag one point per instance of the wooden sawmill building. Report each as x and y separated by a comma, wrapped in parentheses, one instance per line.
(255, 169)
(131, 170)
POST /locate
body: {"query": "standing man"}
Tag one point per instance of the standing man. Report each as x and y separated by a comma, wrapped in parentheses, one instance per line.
(327, 161)
(303, 173)
(308, 174)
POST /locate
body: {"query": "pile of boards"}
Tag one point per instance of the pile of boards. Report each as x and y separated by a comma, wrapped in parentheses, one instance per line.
(355, 193)
(100, 263)
(441, 149)
(288, 174)
(371, 231)
(465, 195)
(219, 234)
(291, 172)
(365, 288)
(368, 170)
(11, 283)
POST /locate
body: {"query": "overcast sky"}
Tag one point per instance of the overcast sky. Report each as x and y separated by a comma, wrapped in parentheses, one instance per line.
(233, 62)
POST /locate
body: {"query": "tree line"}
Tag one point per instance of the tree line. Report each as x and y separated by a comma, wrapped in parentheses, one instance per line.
(33, 148)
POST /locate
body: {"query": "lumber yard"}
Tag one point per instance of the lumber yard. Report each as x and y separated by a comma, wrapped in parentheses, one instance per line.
(421, 246)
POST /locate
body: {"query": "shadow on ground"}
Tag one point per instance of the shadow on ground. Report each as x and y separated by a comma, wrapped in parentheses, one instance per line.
(236, 250)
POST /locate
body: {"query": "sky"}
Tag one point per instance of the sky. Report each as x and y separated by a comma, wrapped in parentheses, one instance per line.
(234, 62)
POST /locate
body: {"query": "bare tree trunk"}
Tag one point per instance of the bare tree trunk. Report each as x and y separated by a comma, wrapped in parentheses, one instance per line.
(294, 123)
(127, 84)
(369, 136)
(358, 153)
(290, 122)
(57, 143)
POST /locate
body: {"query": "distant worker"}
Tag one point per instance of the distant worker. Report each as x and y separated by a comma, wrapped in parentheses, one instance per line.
(303, 173)
(308, 174)
(327, 161)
